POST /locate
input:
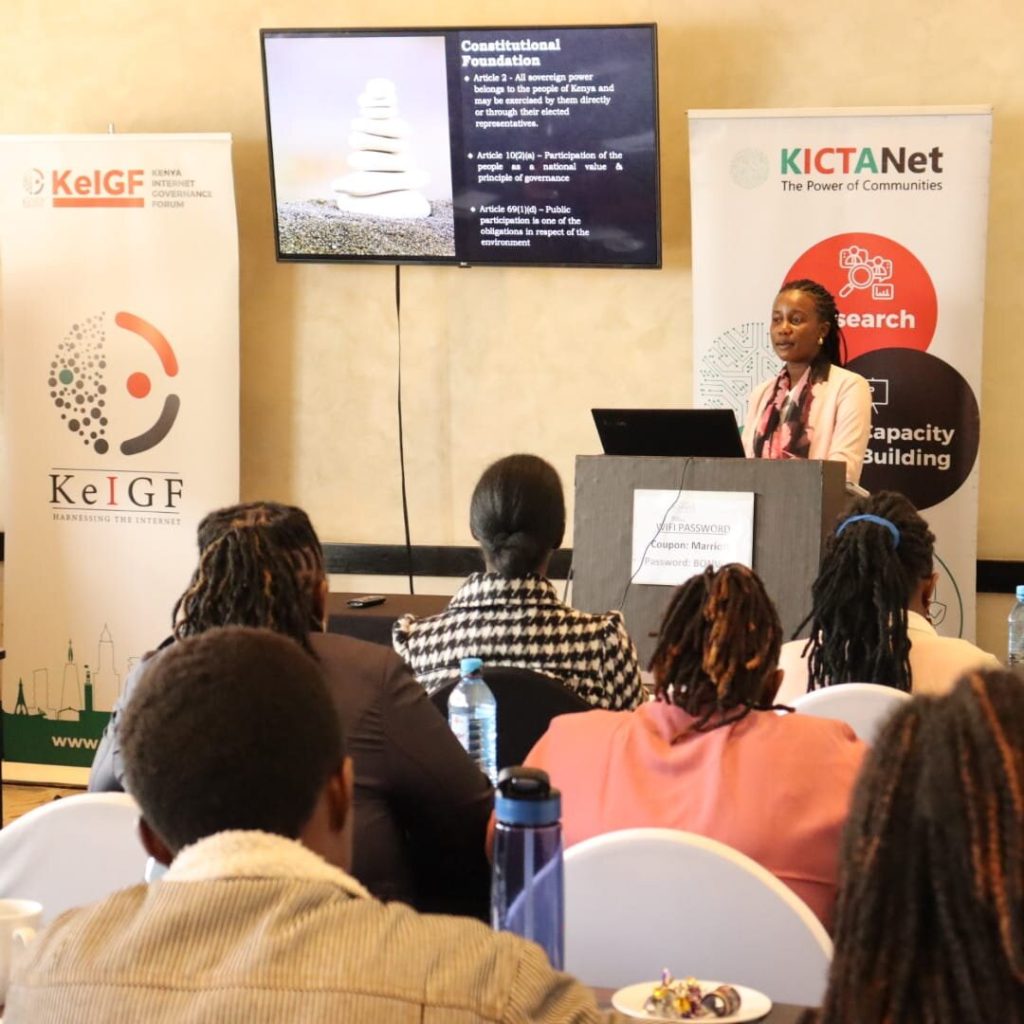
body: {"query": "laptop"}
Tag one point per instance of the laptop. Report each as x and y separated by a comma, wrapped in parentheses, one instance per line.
(694, 433)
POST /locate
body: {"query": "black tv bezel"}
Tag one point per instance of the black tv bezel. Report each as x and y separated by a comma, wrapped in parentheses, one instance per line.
(454, 261)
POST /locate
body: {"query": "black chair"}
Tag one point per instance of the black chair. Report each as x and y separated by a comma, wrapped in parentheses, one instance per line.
(527, 701)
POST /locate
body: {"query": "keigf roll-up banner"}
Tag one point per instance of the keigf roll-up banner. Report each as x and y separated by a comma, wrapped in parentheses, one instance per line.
(886, 208)
(119, 291)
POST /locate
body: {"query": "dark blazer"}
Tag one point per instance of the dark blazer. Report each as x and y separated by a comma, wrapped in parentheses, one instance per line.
(421, 805)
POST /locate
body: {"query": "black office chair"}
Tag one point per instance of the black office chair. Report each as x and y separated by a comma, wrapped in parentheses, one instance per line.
(527, 701)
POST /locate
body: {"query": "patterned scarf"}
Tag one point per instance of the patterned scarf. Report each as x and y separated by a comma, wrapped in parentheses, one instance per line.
(782, 430)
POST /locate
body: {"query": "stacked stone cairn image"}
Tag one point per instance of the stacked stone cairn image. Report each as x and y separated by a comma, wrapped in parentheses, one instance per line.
(384, 180)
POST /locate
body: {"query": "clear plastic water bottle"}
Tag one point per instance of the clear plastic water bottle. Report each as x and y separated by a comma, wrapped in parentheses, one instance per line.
(1015, 646)
(527, 887)
(473, 717)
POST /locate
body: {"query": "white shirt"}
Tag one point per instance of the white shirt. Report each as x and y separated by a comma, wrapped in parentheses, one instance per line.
(936, 662)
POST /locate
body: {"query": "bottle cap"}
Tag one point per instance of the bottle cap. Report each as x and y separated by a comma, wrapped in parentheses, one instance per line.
(470, 665)
(1020, 591)
(524, 797)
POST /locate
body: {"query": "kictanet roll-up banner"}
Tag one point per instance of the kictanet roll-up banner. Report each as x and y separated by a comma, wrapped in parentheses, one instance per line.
(886, 208)
(119, 292)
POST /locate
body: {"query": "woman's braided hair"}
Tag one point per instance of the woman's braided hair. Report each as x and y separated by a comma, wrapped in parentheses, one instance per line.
(718, 646)
(930, 923)
(859, 601)
(260, 564)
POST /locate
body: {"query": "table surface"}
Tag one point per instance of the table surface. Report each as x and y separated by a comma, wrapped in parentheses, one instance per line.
(374, 624)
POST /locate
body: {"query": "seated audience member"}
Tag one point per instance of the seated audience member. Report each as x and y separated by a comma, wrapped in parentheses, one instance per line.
(421, 804)
(235, 753)
(930, 921)
(870, 602)
(510, 615)
(708, 755)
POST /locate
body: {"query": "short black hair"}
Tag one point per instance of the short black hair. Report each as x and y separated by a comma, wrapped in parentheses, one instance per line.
(230, 729)
(260, 564)
(517, 514)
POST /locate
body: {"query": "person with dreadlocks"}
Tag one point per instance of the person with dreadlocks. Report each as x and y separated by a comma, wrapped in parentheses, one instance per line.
(930, 922)
(812, 408)
(869, 619)
(709, 755)
(421, 805)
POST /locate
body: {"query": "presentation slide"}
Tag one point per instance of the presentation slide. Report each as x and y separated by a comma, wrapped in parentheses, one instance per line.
(510, 146)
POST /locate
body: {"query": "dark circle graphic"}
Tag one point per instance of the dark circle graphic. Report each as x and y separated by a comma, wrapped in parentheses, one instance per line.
(101, 446)
(924, 425)
(66, 377)
(74, 425)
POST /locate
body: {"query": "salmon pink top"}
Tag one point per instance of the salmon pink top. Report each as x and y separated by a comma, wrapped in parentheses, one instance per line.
(775, 787)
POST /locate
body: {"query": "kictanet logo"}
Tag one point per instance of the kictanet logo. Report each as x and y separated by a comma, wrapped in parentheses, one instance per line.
(70, 187)
(859, 160)
(89, 358)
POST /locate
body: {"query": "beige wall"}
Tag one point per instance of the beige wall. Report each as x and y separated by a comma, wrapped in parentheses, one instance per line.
(498, 359)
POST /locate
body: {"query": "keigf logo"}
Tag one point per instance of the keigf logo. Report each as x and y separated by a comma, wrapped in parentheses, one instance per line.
(90, 407)
(69, 187)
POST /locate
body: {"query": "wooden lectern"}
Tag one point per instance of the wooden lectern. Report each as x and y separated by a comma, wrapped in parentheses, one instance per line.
(795, 507)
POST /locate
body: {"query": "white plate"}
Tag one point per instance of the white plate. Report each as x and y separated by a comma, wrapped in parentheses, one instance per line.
(753, 1004)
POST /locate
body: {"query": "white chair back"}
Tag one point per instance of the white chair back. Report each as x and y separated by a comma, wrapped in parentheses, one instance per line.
(72, 851)
(647, 898)
(863, 706)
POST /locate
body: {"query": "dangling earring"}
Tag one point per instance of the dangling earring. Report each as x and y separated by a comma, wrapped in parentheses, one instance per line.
(821, 341)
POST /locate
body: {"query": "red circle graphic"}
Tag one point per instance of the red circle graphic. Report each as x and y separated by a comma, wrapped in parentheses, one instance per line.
(885, 296)
(138, 385)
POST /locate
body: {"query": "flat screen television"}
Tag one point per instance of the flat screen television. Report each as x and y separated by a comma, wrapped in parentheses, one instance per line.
(512, 146)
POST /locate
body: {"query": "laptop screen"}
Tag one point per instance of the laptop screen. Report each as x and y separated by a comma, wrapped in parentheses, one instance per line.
(694, 433)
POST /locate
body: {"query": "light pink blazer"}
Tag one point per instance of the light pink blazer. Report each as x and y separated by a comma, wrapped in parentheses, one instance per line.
(840, 419)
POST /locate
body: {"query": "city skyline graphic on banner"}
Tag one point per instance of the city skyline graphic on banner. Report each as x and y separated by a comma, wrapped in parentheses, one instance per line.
(56, 717)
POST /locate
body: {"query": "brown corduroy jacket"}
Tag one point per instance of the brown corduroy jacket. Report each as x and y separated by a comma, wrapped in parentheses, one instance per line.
(252, 928)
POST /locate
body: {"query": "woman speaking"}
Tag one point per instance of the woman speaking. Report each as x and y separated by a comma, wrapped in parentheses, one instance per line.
(813, 408)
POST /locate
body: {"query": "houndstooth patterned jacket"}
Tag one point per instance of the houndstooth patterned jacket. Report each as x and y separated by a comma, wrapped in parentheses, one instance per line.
(521, 623)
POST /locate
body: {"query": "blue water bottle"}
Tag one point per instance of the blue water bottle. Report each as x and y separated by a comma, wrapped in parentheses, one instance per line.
(527, 887)
(473, 717)
(1015, 645)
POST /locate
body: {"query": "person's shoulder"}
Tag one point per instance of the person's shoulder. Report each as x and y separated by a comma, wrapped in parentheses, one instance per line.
(442, 951)
(589, 727)
(761, 387)
(966, 651)
(598, 622)
(79, 934)
(340, 645)
(347, 657)
(792, 648)
(811, 731)
(846, 379)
